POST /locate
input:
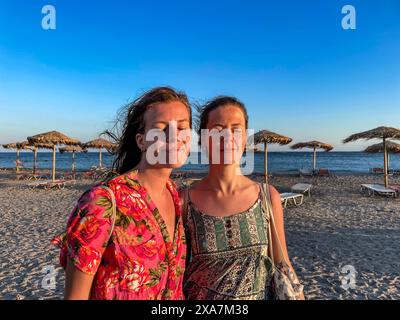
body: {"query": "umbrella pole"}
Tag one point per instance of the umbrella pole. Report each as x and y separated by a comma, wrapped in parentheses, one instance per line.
(34, 160)
(53, 173)
(315, 160)
(385, 162)
(17, 162)
(100, 164)
(73, 164)
(266, 162)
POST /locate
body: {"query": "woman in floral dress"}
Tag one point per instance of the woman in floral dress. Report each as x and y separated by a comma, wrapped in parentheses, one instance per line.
(138, 253)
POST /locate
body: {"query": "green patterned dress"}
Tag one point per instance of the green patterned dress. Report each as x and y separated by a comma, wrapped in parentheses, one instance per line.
(229, 255)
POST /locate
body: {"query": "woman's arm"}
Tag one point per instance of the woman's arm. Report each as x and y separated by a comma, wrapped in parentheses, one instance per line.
(77, 283)
(280, 229)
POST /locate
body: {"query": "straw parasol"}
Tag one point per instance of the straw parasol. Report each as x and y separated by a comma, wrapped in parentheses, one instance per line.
(313, 145)
(72, 149)
(391, 147)
(266, 137)
(18, 146)
(99, 143)
(383, 133)
(53, 138)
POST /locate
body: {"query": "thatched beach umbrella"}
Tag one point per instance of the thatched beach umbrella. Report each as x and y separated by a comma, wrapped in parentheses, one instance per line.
(18, 146)
(99, 143)
(72, 149)
(383, 133)
(54, 138)
(266, 137)
(313, 145)
(391, 147)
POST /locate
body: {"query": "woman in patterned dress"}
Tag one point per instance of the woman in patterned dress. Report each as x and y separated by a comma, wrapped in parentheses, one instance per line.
(143, 255)
(227, 228)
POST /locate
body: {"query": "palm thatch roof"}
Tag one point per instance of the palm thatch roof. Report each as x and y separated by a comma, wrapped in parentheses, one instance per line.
(391, 147)
(377, 133)
(17, 145)
(10, 146)
(42, 145)
(312, 145)
(98, 143)
(53, 138)
(265, 136)
(76, 148)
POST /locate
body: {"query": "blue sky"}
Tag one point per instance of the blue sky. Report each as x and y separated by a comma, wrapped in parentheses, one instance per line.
(298, 72)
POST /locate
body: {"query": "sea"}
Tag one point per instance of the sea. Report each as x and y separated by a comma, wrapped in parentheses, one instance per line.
(340, 162)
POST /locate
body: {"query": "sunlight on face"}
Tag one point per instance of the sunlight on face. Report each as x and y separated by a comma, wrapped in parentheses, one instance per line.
(227, 135)
(167, 134)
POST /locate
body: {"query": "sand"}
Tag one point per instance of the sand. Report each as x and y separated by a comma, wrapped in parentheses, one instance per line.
(337, 226)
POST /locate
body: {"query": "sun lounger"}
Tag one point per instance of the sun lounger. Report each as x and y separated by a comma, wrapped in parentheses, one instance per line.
(296, 198)
(30, 176)
(381, 171)
(323, 172)
(376, 170)
(395, 187)
(305, 172)
(395, 172)
(302, 188)
(47, 185)
(378, 189)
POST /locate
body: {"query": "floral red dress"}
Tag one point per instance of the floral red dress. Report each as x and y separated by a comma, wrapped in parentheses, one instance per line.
(139, 260)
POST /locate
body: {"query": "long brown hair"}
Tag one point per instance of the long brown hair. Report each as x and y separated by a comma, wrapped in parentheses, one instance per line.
(130, 121)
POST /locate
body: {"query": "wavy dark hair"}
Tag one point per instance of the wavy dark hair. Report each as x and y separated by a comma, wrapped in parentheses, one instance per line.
(130, 121)
(220, 101)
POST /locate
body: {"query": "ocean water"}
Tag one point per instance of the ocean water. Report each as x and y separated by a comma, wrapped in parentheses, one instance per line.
(357, 162)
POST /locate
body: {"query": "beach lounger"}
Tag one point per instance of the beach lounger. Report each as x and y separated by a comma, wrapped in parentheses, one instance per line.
(395, 187)
(378, 189)
(381, 171)
(30, 176)
(323, 172)
(296, 198)
(305, 172)
(302, 188)
(376, 170)
(395, 172)
(47, 185)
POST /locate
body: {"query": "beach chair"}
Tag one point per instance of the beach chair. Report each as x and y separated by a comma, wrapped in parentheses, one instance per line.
(296, 198)
(372, 189)
(302, 188)
(376, 170)
(323, 172)
(396, 172)
(48, 185)
(305, 172)
(395, 187)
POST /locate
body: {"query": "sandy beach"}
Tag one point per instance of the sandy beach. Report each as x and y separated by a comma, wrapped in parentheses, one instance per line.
(334, 227)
